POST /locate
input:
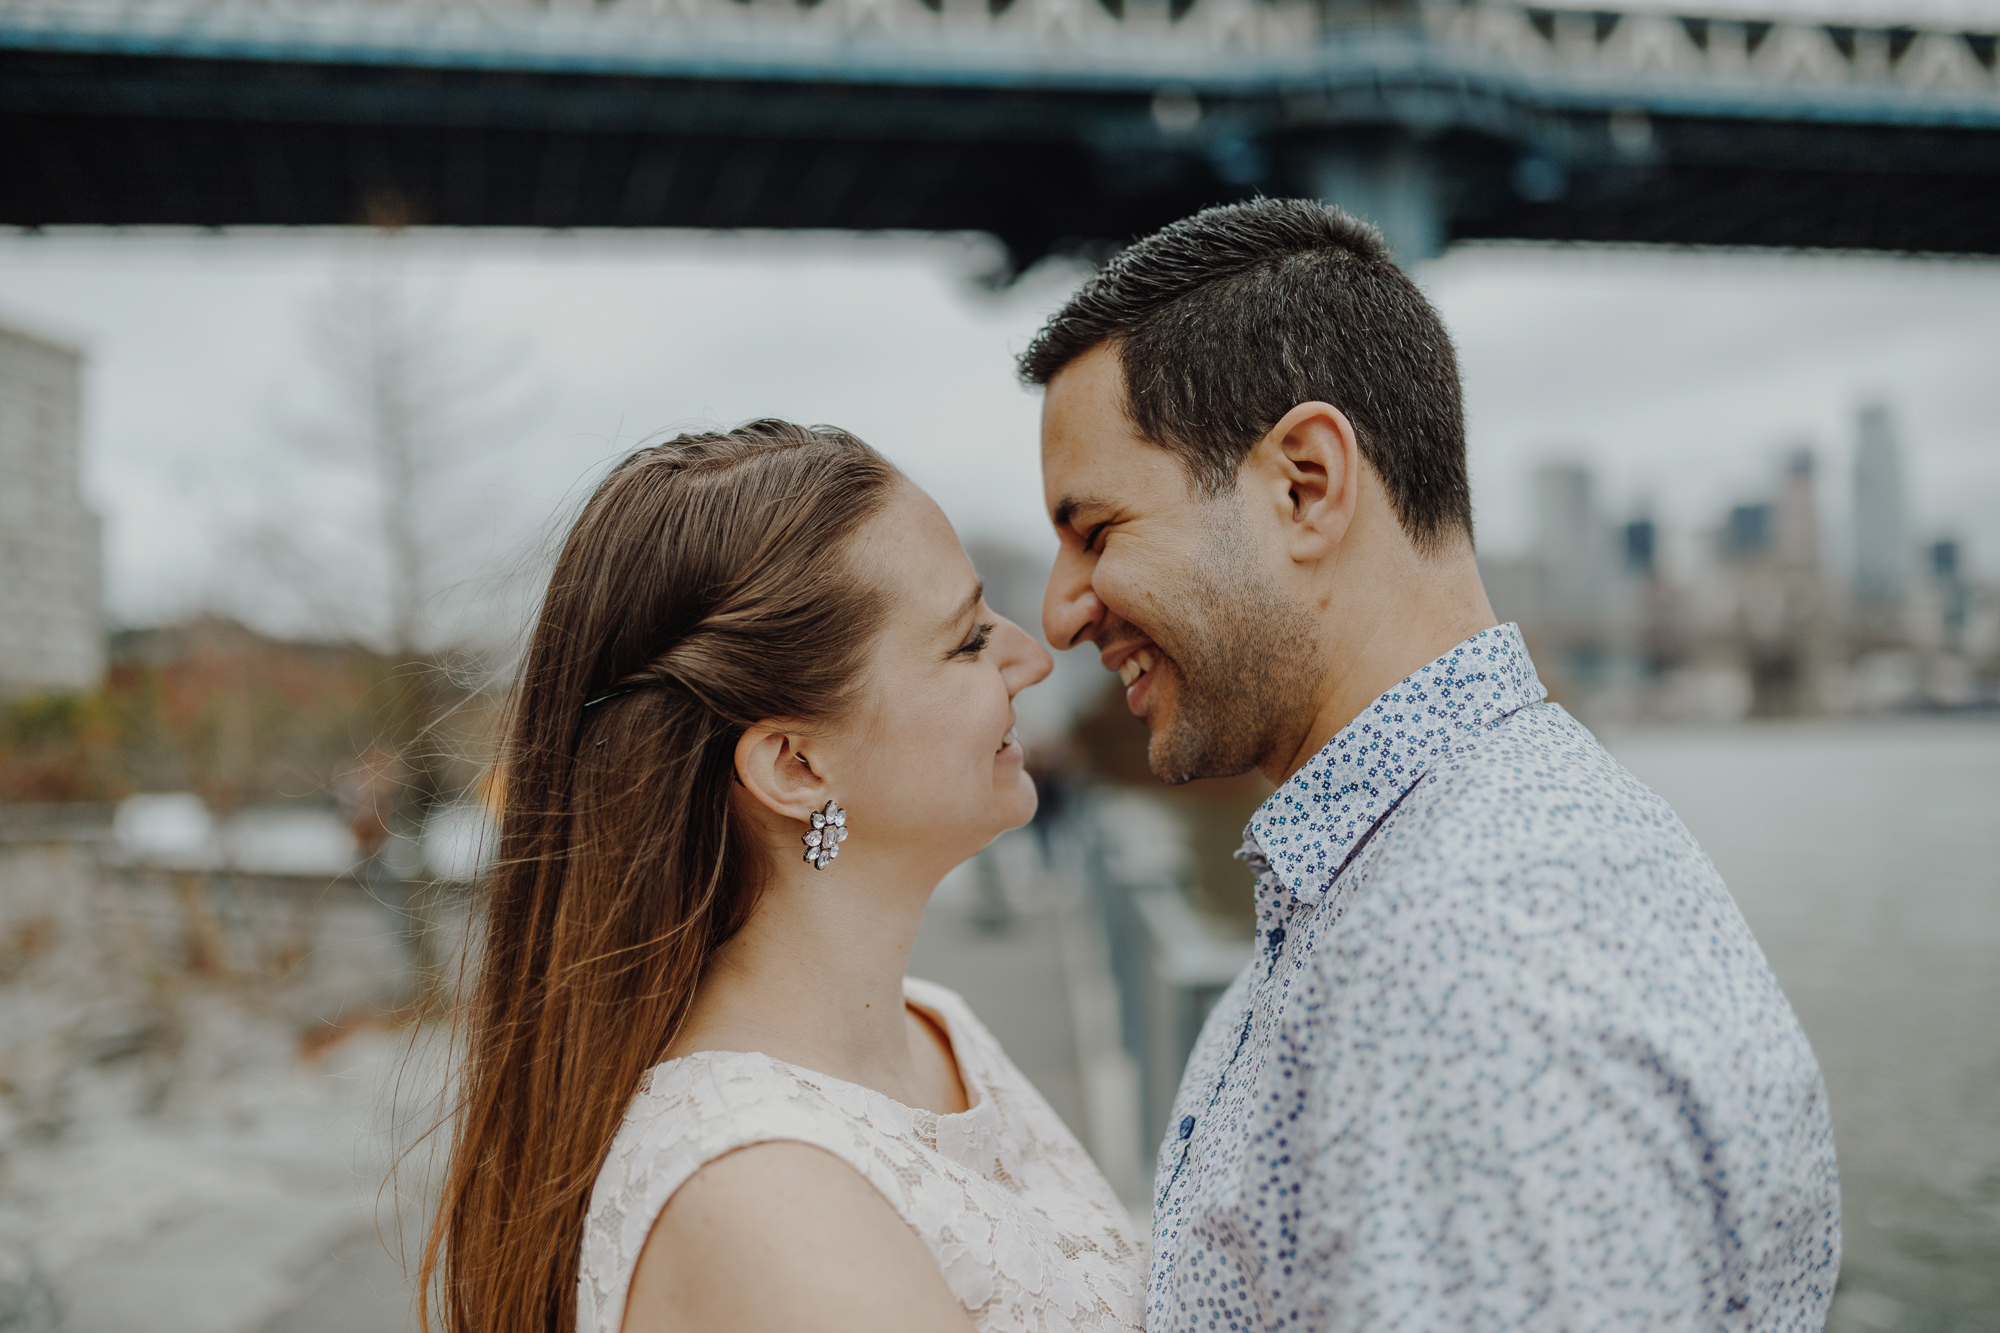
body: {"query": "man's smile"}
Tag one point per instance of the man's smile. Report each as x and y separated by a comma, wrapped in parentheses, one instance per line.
(1129, 656)
(1137, 665)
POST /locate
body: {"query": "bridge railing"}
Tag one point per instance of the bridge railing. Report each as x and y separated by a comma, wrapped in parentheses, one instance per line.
(1655, 46)
(1217, 27)
(1213, 39)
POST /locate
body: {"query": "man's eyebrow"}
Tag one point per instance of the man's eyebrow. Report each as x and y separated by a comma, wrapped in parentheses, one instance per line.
(965, 608)
(1066, 508)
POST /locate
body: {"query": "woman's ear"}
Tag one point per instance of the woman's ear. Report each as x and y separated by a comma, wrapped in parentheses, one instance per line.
(773, 769)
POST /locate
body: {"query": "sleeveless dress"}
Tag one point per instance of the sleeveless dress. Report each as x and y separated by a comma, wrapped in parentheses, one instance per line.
(1023, 1226)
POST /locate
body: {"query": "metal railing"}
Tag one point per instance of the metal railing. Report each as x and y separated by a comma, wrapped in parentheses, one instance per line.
(1168, 964)
(1221, 40)
(1596, 45)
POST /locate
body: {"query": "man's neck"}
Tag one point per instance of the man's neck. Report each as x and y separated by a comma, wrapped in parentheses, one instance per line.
(1387, 622)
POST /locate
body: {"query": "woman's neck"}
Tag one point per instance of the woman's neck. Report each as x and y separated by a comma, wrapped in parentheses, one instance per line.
(815, 978)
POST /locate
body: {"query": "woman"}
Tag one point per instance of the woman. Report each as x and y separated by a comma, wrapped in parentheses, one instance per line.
(764, 710)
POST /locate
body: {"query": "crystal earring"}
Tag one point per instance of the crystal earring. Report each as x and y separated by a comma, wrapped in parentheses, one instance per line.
(829, 830)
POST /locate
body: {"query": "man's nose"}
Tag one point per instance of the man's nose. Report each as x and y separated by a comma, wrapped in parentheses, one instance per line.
(1070, 606)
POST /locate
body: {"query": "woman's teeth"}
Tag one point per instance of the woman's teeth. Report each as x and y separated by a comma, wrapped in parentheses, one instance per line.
(1006, 740)
(1137, 665)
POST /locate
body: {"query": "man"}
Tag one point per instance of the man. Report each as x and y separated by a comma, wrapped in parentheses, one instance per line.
(1506, 1056)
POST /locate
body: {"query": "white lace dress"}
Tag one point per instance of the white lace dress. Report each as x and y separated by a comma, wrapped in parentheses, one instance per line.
(1022, 1224)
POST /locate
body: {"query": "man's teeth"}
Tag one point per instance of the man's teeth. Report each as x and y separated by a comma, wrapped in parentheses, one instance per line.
(1137, 665)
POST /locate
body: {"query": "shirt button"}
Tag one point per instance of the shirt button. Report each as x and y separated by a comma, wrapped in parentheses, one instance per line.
(1187, 1126)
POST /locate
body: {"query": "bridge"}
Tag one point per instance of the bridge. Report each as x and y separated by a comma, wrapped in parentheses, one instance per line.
(1051, 124)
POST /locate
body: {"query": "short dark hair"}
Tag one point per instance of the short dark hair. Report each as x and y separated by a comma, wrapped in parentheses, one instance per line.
(1225, 321)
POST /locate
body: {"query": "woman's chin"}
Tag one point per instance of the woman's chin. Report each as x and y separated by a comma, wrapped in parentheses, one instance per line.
(1018, 805)
(1013, 806)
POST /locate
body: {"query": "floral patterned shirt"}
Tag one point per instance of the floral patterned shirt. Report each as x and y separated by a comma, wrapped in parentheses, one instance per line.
(1506, 1055)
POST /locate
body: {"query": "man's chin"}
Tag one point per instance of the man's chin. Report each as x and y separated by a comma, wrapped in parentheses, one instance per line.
(1176, 756)
(1169, 757)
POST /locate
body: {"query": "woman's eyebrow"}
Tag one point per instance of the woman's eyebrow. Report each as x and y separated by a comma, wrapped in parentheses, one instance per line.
(965, 608)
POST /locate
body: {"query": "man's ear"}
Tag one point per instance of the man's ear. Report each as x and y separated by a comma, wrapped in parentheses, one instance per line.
(773, 767)
(1308, 468)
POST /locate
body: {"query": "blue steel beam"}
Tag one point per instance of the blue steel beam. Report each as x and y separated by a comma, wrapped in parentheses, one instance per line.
(1521, 121)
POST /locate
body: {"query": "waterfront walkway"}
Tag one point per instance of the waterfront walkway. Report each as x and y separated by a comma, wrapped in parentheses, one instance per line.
(1004, 953)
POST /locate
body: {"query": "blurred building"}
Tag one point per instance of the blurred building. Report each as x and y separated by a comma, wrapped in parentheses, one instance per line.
(1779, 622)
(1923, 632)
(51, 618)
(1881, 528)
(1757, 622)
(1569, 546)
(1954, 596)
(1588, 594)
(1948, 655)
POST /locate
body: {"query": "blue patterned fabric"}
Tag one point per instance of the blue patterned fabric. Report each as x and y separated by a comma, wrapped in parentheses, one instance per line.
(1506, 1057)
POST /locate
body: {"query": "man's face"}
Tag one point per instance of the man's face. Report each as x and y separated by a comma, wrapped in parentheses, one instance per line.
(1181, 593)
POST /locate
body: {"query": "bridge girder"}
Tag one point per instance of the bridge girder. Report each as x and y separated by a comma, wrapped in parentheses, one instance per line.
(542, 124)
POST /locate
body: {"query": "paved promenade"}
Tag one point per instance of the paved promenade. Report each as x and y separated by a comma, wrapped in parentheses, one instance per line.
(1008, 964)
(1011, 971)
(204, 1173)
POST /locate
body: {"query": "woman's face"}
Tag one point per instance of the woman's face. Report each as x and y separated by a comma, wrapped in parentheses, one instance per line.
(927, 763)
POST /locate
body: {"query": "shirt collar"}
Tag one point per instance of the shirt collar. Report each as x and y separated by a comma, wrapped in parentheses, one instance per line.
(1322, 813)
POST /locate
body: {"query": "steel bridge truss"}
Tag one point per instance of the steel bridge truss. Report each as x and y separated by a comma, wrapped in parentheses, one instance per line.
(1050, 123)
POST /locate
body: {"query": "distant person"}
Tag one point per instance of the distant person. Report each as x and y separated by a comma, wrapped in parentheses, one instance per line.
(1506, 1056)
(1053, 768)
(764, 710)
(370, 793)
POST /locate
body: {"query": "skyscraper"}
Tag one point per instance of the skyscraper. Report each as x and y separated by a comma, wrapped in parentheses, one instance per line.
(51, 622)
(1881, 556)
(1795, 515)
(1642, 548)
(1570, 542)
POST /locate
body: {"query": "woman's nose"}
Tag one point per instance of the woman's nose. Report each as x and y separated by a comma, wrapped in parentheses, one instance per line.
(1027, 662)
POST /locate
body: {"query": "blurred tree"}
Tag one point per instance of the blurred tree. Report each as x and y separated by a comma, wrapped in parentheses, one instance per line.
(373, 521)
(403, 395)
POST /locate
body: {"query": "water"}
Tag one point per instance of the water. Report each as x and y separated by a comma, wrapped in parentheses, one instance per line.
(1866, 857)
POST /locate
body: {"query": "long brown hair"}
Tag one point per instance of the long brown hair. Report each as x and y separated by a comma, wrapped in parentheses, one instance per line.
(706, 586)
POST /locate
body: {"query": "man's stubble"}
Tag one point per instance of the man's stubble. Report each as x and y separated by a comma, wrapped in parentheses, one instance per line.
(1246, 659)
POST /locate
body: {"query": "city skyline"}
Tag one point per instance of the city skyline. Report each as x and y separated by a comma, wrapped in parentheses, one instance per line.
(1631, 363)
(1762, 617)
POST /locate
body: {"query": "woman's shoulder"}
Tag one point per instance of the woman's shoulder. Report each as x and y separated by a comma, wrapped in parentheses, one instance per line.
(690, 1110)
(729, 1085)
(850, 1260)
(687, 1113)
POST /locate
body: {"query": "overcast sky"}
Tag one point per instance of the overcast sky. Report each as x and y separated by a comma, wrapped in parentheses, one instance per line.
(1683, 378)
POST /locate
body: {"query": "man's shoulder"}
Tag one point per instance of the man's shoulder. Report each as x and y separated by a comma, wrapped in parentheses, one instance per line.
(1535, 873)
(1540, 779)
(1533, 825)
